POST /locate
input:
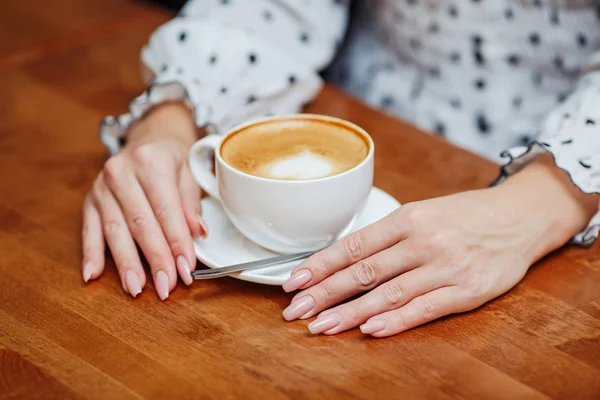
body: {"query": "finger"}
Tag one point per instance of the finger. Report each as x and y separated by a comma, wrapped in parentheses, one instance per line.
(190, 195)
(119, 240)
(425, 308)
(347, 251)
(143, 227)
(92, 241)
(159, 185)
(389, 296)
(360, 277)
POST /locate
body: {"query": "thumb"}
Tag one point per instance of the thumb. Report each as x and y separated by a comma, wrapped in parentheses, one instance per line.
(190, 195)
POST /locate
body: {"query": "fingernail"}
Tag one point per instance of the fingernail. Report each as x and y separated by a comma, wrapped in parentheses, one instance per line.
(203, 225)
(299, 308)
(161, 282)
(132, 281)
(297, 280)
(88, 269)
(184, 270)
(324, 323)
(374, 326)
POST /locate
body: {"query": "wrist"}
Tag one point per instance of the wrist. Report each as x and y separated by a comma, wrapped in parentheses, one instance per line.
(171, 121)
(546, 206)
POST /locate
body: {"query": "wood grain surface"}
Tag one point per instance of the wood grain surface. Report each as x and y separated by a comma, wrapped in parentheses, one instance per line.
(64, 64)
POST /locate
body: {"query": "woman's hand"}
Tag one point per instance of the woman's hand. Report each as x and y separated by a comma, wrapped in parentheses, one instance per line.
(145, 195)
(440, 256)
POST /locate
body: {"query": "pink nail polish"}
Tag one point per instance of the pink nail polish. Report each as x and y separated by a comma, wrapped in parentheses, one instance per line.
(297, 280)
(299, 308)
(87, 270)
(324, 323)
(161, 283)
(184, 270)
(132, 282)
(373, 326)
(203, 225)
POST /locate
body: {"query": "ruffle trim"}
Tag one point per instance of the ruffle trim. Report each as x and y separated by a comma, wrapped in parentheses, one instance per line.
(516, 162)
(113, 130)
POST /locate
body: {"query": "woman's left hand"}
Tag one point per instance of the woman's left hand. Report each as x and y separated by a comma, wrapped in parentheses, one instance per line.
(431, 258)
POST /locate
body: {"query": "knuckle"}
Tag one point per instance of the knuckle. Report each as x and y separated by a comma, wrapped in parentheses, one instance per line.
(161, 212)
(177, 247)
(354, 246)
(113, 168)
(393, 294)
(430, 309)
(365, 274)
(144, 155)
(318, 266)
(139, 223)
(326, 293)
(111, 227)
(413, 214)
(476, 286)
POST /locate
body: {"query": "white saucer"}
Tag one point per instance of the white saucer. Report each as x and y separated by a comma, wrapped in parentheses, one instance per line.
(225, 245)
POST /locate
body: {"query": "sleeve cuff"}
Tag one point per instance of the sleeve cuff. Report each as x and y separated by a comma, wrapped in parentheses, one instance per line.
(226, 75)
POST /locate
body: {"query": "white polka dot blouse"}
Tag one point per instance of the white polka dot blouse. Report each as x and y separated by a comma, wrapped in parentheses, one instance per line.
(507, 79)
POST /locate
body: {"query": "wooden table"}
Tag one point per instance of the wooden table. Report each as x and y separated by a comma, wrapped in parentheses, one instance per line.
(66, 63)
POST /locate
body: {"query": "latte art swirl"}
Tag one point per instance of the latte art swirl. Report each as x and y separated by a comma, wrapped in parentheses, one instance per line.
(295, 149)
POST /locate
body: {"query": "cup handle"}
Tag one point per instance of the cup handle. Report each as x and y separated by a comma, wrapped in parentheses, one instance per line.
(201, 161)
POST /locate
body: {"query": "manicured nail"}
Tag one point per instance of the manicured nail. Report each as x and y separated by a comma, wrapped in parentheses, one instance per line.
(203, 225)
(184, 270)
(132, 281)
(374, 326)
(161, 283)
(88, 269)
(297, 280)
(324, 323)
(298, 308)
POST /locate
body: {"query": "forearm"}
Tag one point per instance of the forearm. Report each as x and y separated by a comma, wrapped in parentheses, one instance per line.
(543, 201)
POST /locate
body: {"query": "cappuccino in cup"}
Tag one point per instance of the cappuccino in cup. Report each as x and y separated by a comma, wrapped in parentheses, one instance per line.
(295, 149)
(290, 184)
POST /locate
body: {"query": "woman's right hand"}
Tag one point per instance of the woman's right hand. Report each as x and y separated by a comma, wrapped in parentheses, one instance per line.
(145, 195)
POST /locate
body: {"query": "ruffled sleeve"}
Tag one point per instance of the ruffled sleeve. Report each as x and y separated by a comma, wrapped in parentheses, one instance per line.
(233, 60)
(571, 133)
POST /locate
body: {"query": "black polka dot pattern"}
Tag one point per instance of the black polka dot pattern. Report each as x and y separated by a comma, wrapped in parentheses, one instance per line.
(387, 102)
(455, 57)
(456, 103)
(517, 102)
(433, 27)
(480, 84)
(513, 60)
(453, 11)
(267, 15)
(518, 58)
(440, 128)
(534, 39)
(482, 124)
(415, 43)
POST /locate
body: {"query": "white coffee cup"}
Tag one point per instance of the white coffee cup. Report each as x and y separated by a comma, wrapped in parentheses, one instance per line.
(286, 216)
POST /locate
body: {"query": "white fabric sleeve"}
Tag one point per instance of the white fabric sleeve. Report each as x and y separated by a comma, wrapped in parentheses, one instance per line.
(233, 60)
(571, 133)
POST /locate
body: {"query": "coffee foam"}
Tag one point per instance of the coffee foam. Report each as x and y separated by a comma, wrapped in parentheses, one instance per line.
(302, 166)
(295, 149)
